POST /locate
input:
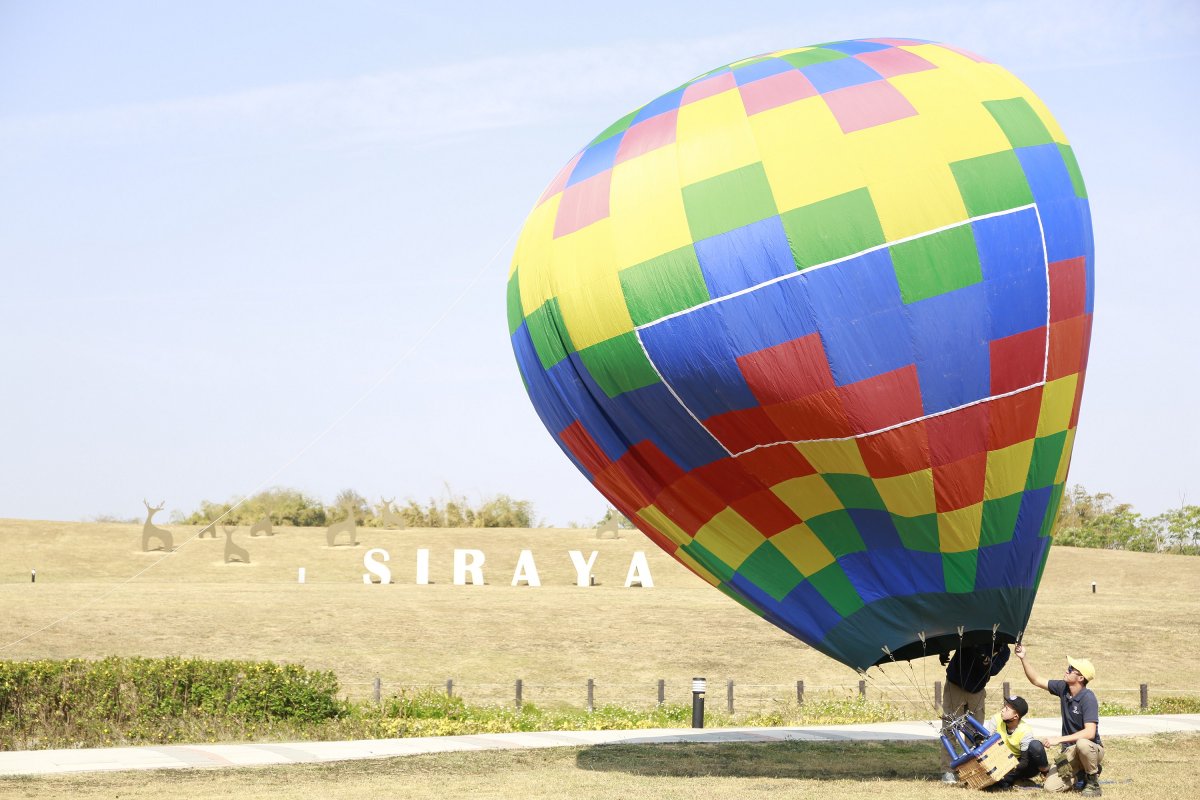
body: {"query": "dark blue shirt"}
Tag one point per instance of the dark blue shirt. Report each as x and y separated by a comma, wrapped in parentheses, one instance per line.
(972, 666)
(1077, 711)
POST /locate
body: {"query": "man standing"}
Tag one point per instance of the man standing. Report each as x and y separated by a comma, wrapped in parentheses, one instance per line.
(967, 675)
(1080, 737)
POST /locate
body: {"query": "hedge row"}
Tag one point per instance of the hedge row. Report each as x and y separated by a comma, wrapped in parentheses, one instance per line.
(55, 701)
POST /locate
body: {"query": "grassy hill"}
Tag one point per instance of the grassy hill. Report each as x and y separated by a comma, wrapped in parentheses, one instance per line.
(118, 600)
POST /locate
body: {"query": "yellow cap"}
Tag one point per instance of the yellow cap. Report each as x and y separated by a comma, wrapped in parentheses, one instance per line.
(1083, 667)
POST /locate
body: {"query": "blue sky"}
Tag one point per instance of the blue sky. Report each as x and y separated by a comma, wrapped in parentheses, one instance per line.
(250, 244)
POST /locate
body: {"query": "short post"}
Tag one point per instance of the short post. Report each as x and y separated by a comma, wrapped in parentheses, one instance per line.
(729, 696)
(300, 575)
(862, 689)
(591, 705)
(1145, 691)
(33, 576)
(1007, 690)
(1093, 587)
(377, 693)
(799, 693)
(449, 687)
(937, 694)
(699, 687)
(520, 688)
(662, 691)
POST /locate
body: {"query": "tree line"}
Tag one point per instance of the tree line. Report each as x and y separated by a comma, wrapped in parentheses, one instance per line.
(1084, 519)
(292, 507)
(1098, 520)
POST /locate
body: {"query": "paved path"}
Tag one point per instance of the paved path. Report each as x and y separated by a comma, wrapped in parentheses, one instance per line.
(46, 762)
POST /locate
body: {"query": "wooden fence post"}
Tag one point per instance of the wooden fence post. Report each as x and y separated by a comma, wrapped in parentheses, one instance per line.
(799, 693)
(729, 696)
(378, 690)
(520, 687)
(662, 691)
(1145, 698)
(937, 694)
(591, 703)
(449, 687)
(862, 689)
(1007, 690)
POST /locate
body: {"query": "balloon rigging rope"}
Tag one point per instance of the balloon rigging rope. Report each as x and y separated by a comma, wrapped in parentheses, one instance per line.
(920, 685)
(921, 701)
(924, 679)
(368, 392)
(900, 690)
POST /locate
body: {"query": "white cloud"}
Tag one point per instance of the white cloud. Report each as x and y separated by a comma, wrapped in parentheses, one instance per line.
(601, 82)
(414, 105)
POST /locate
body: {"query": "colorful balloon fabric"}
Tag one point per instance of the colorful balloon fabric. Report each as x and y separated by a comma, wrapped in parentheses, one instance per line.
(817, 322)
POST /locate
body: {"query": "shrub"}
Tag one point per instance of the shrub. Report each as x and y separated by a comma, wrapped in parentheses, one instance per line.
(457, 511)
(57, 703)
(285, 507)
(118, 701)
(1175, 705)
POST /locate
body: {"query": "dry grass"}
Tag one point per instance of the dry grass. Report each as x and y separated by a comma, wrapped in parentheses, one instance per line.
(1137, 627)
(1143, 768)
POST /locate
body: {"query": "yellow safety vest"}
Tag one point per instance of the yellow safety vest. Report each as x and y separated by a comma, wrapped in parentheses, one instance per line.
(1012, 740)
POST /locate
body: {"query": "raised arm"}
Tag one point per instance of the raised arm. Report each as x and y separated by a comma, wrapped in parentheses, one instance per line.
(1030, 673)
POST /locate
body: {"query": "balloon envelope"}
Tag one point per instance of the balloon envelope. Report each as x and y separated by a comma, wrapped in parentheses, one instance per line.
(817, 322)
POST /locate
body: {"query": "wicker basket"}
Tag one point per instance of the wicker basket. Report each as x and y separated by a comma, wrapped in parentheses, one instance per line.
(987, 764)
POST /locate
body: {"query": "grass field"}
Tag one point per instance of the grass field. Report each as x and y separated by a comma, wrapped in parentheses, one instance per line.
(1138, 626)
(1142, 768)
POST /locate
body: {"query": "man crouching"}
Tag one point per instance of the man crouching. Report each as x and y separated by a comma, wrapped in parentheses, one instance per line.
(1080, 721)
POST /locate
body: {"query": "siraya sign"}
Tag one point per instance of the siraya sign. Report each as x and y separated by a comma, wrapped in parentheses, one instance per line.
(468, 567)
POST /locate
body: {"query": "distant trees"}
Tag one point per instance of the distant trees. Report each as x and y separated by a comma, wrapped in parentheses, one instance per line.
(1084, 519)
(457, 511)
(1097, 520)
(293, 507)
(285, 506)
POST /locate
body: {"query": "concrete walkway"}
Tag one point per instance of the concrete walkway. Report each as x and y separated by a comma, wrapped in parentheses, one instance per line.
(47, 762)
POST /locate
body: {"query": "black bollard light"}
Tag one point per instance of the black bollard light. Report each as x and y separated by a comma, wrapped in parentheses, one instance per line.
(699, 687)
(33, 576)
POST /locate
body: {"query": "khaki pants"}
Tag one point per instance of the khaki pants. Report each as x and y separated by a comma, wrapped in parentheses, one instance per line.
(1084, 756)
(955, 700)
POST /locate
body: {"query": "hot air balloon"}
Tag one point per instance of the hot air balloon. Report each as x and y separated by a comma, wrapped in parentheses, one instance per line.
(817, 322)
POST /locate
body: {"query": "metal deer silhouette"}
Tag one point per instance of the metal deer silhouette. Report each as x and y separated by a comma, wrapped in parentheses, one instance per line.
(608, 529)
(232, 551)
(388, 514)
(263, 526)
(151, 531)
(348, 525)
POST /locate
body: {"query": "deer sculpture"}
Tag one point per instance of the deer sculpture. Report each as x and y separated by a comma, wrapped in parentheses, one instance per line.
(388, 514)
(263, 526)
(232, 551)
(608, 529)
(348, 525)
(151, 531)
(208, 530)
